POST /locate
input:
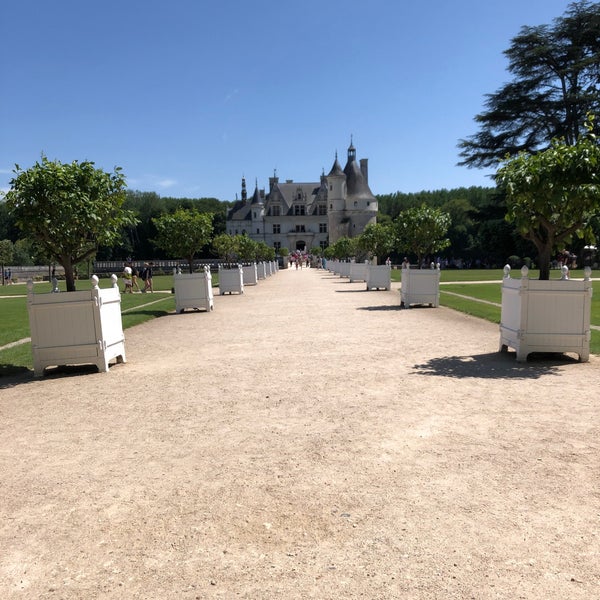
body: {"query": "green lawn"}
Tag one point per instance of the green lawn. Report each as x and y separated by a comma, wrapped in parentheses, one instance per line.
(135, 308)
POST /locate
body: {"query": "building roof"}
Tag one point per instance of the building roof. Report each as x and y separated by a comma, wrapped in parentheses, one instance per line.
(336, 169)
(356, 184)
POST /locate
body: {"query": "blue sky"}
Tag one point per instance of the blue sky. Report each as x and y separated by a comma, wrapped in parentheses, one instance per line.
(187, 96)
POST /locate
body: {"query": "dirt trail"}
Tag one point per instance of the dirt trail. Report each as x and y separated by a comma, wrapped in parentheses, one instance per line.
(307, 439)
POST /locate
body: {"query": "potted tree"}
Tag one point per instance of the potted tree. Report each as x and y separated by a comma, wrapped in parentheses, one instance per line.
(421, 230)
(70, 210)
(551, 196)
(183, 234)
(374, 242)
(231, 273)
(284, 255)
(246, 248)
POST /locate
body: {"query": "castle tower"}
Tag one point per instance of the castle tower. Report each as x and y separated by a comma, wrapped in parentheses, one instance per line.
(336, 194)
(257, 212)
(360, 203)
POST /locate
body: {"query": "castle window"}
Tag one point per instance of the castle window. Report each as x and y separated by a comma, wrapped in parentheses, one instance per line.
(276, 211)
(258, 230)
(300, 229)
(299, 209)
(322, 209)
(323, 245)
(277, 245)
(276, 228)
(322, 227)
(355, 203)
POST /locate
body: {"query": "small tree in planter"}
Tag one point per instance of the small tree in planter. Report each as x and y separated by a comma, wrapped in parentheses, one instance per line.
(246, 248)
(226, 247)
(377, 240)
(184, 233)
(421, 230)
(551, 196)
(284, 253)
(69, 209)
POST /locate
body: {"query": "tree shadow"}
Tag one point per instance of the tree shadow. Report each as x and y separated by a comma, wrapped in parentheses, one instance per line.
(494, 365)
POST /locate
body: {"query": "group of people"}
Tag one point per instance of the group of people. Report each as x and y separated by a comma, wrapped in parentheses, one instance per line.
(131, 277)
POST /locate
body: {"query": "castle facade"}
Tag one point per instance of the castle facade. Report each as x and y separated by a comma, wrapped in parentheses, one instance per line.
(301, 216)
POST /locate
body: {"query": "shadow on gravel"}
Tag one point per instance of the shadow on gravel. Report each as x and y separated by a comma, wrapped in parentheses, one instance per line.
(495, 365)
(380, 308)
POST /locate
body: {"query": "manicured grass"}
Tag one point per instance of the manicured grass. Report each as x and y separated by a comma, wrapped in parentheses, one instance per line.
(492, 292)
(14, 319)
(135, 309)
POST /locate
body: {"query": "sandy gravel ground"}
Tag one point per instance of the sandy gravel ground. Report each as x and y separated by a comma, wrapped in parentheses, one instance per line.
(307, 439)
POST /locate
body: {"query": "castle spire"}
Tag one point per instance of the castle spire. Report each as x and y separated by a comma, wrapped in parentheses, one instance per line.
(244, 192)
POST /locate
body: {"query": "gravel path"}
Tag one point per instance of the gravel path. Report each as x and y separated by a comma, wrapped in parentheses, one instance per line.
(307, 439)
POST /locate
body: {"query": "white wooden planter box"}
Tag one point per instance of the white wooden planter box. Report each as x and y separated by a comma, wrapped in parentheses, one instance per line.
(250, 274)
(262, 270)
(358, 271)
(420, 286)
(546, 316)
(379, 277)
(76, 328)
(231, 280)
(193, 290)
(344, 269)
(268, 268)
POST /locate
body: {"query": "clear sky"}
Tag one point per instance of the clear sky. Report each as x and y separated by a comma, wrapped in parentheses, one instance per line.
(189, 95)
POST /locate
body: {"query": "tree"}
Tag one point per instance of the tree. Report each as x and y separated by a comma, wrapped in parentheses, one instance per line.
(342, 248)
(246, 248)
(264, 251)
(422, 230)
(6, 255)
(183, 233)
(553, 195)
(555, 84)
(69, 209)
(226, 246)
(376, 240)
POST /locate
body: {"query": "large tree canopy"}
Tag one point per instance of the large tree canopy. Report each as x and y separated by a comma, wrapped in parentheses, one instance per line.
(69, 209)
(556, 78)
(554, 194)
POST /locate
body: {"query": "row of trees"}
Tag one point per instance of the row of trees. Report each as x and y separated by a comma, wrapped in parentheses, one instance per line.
(419, 231)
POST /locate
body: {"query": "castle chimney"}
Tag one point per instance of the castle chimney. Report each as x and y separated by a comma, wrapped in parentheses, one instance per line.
(364, 169)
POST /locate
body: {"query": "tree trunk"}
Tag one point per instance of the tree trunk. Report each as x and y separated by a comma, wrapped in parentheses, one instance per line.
(544, 256)
(69, 274)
